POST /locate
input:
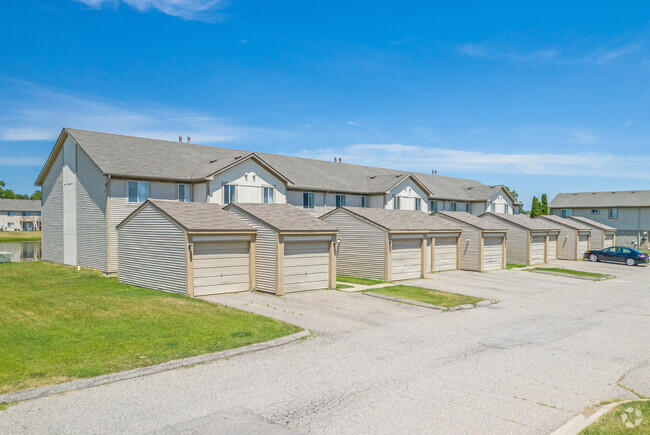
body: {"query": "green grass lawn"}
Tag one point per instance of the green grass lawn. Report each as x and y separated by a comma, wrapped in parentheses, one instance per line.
(362, 281)
(342, 286)
(429, 296)
(571, 272)
(515, 266)
(59, 325)
(20, 236)
(613, 423)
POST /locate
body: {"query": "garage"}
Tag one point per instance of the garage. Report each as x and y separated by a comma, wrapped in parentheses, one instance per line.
(406, 257)
(552, 247)
(573, 239)
(493, 253)
(445, 253)
(602, 236)
(537, 249)
(583, 244)
(194, 248)
(221, 267)
(294, 251)
(609, 240)
(306, 266)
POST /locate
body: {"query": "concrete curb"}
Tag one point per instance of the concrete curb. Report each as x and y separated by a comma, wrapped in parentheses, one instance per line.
(586, 278)
(431, 306)
(49, 390)
(580, 422)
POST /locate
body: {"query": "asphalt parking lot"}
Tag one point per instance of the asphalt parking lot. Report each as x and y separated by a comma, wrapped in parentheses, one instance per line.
(549, 349)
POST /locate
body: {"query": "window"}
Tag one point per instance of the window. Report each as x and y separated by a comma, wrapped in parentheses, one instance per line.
(396, 202)
(229, 194)
(268, 195)
(307, 200)
(138, 191)
(506, 209)
(364, 201)
(10, 213)
(454, 206)
(340, 200)
(566, 212)
(432, 206)
(613, 213)
(493, 208)
(184, 193)
(595, 211)
(10, 224)
(467, 208)
(418, 204)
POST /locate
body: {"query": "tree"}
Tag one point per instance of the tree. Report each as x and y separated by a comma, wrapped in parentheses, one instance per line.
(515, 195)
(544, 205)
(536, 208)
(10, 194)
(36, 195)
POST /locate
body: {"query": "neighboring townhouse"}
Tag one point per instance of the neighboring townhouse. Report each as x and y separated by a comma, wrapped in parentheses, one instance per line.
(20, 215)
(627, 211)
(92, 181)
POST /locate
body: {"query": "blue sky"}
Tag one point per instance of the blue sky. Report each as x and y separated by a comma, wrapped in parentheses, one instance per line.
(543, 97)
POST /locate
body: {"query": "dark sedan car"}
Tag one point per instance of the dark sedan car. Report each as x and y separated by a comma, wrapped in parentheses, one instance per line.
(617, 254)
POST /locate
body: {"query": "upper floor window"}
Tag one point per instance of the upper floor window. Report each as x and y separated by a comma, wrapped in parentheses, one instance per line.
(10, 213)
(613, 213)
(454, 206)
(467, 207)
(364, 202)
(340, 200)
(418, 204)
(185, 193)
(432, 206)
(396, 202)
(566, 212)
(493, 208)
(506, 208)
(269, 192)
(308, 200)
(229, 194)
(138, 191)
(595, 211)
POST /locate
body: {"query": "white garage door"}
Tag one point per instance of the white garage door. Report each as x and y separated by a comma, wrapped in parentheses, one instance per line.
(220, 267)
(552, 248)
(537, 244)
(492, 253)
(405, 257)
(445, 250)
(306, 266)
(609, 240)
(583, 245)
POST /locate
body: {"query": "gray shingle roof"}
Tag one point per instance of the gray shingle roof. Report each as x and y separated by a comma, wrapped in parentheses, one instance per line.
(402, 220)
(592, 223)
(525, 221)
(470, 219)
(136, 157)
(564, 221)
(202, 216)
(630, 198)
(284, 217)
(20, 205)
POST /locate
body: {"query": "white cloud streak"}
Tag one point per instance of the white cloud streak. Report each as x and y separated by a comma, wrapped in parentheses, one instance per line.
(196, 10)
(23, 161)
(424, 159)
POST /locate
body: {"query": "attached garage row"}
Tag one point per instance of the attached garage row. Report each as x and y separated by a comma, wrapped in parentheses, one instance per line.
(537, 249)
(602, 236)
(493, 252)
(552, 248)
(186, 247)
(294, 251)
(391, 245)
(574, 237)
(583, 244)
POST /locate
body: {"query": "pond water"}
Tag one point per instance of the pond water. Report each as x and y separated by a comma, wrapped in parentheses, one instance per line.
(22, 251)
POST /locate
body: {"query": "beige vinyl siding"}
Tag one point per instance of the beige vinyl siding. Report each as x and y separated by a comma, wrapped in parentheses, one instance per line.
(199, 192)
(517, 241)
(537, 248)
(445, 250)
(567, 244)
(265, 252)
(492, 253)
(552, 248)
(468, 248)
(91, 213)
(306, 266)
(52, 211)
(220, 267)
(120, 208)
(609, 240)
(362, 252)
(69, 202)
(583, 244)
(152, 252)
(597, 238)
(406, 259)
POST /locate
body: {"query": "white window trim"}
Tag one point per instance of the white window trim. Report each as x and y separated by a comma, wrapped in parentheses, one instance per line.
(272, 189)
(187, 189)
(566, 212)
(609, 213)
(418, 204)
(128, 200)
(397, 203)
(341, 199)
(230, 199)
(592, 211)
(309, 195)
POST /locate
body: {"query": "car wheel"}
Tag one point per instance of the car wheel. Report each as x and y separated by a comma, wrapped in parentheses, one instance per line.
(630, 262)
(593, 257)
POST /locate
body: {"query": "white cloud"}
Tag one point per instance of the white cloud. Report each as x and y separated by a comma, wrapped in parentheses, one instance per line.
(424, 159)
(35, 112)
(199, 10)
(23, 161)
(354, 124)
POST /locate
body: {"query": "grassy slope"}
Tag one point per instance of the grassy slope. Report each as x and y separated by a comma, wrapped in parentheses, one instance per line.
(362, 281)
(59, 325)
(571, 272)
(515, 266)
(612, 423)
(421, 294)
(20, 236)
